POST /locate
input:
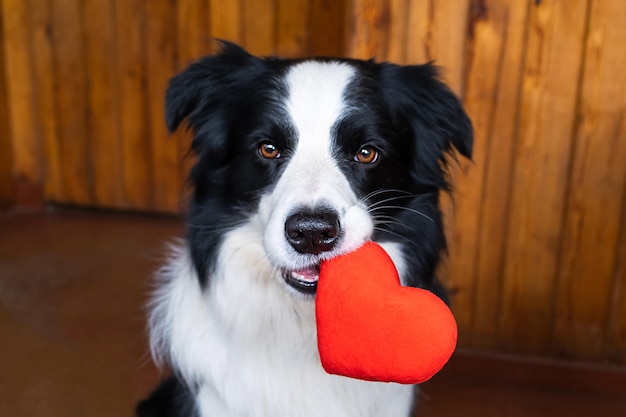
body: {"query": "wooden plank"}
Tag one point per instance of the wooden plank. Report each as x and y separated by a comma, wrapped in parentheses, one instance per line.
(615, 336)
(419, 32)
(193, 22)
(293, 22)
(397, 34)
(7, 195)
(369, 23)
(510, 24)
(595, 196)
(103, 105)
(542, 160)
(136, 147)
(161, 65)
(489, 26)
(226, 20)
(71, 103)
(44, 72)
(448, 29)
(25, 141)
(330, 28)
(259, 26)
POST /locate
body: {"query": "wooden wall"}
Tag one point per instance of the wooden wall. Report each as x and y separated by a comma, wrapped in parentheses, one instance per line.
(538, 240)
(6, 150)
(85, 81)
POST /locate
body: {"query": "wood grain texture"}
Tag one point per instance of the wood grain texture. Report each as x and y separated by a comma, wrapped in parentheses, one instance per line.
(615, 336)
(488, 27)
(7, 194)
(397, 32)
(549, 97)
(419, 14)
(448, 28)
(193, 31)
(330, 27)
(20, 92)
(259, 26)
(226, 20)
(135, 140)
(40, 12)
(103, 129)
(293, 27)
(594, 210)
(497, 176)
(369, 21)
(71, 102)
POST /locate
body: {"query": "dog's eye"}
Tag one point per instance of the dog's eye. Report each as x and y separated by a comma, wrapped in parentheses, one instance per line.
(269, 151)
(366, 155)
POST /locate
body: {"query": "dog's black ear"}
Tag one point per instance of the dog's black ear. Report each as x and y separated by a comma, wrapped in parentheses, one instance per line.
(200, 90)
(209, 95)
(422, 103)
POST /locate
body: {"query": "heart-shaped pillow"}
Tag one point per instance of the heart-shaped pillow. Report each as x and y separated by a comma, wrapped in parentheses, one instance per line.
(371, 327)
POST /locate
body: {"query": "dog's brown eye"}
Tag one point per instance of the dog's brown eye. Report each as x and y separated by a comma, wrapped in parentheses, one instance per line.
(366, 155)
(269, 151)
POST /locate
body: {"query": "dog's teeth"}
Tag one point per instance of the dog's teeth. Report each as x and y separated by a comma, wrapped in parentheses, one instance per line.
(304, 277)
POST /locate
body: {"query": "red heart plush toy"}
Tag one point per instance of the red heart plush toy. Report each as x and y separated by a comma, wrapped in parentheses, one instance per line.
(370, 327)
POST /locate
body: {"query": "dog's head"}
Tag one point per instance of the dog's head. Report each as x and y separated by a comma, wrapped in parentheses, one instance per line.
(323, 154)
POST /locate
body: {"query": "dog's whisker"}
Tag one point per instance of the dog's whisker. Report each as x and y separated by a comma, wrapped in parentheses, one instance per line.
(407, 209)
(388, 220)
(379, 216)
(381, 191)
(386, 200)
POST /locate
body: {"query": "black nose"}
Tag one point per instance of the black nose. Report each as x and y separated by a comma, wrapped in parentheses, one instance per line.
(312, 231)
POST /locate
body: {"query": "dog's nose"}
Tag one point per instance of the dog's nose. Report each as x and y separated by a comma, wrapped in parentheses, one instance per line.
(312, 232)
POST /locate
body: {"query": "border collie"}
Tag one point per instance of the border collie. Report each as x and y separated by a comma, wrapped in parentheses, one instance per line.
(298, 161)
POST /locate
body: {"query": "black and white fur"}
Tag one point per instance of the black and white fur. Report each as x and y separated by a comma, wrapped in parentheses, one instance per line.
(284, 179)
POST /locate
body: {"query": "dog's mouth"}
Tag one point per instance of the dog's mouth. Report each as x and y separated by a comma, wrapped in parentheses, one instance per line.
(303, 280)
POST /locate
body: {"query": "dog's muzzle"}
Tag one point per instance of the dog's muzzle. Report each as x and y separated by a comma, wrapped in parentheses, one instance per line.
(310, 232)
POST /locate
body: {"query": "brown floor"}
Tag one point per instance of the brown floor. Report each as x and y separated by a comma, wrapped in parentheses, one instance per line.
(72, 340)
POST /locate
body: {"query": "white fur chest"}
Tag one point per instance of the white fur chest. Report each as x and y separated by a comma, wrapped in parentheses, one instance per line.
(250, 346)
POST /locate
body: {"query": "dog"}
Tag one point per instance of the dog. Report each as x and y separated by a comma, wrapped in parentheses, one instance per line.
(298, 161)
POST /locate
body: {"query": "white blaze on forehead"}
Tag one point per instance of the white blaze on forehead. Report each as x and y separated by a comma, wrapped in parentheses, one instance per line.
(312, 177)
(315, 101)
